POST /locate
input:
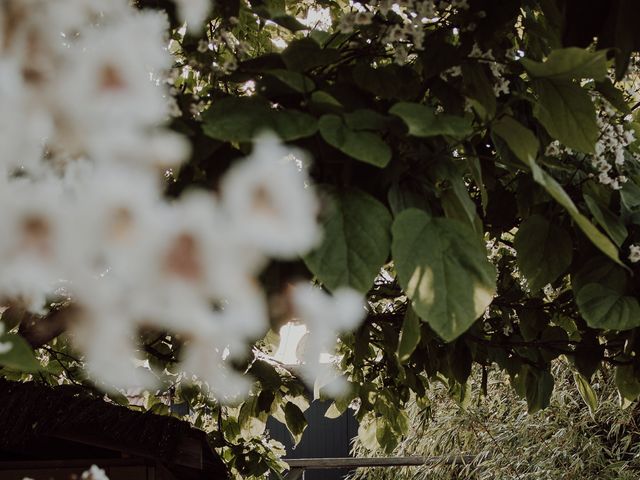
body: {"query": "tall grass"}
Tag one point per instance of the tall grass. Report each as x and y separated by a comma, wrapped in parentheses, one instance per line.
(564, 441)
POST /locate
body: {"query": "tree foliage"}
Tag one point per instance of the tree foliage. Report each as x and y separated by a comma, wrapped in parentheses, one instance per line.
(481, 184)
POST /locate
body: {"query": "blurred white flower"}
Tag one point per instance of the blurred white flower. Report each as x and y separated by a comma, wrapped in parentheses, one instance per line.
(94, 473)
(106, 85)
(4, 346)
(194, 12)
(269, 202)
(325, 317)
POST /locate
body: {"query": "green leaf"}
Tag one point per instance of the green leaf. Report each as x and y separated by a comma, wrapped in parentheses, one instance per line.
(544, 251)
(532, 322)
(538, 389)
(250, 419)
(333, 411)
(613, 95)
(241, 119)
(630, 196)
(569, 64)
(476, 173)
(296, 423)
(423, 121)
(567, 112)
(480, 89)
(387, 81)
(409, 336)
(367, 147)
(627, 383)
(524, 144)
(323, 98)
(586, 392)
(20, 357)
(385, 435)
(304, 54)
(599, 269)
(606, 308)
(365, 119)
(607, 220)
(456, 201)
(294, 80)
(356, 242)
(443, 268)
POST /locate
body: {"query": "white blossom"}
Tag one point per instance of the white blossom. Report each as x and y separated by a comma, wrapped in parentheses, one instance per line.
(269, 202)
(194, 12)
(325, 316)
(94, 473)
(634, 253)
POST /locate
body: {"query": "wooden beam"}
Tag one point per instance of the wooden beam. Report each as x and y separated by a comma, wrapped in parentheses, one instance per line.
(357, 462)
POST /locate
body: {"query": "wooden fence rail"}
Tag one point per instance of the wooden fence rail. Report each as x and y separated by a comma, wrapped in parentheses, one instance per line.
(299, 465)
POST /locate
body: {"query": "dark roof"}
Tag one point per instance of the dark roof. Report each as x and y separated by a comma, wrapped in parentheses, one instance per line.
(30, 412)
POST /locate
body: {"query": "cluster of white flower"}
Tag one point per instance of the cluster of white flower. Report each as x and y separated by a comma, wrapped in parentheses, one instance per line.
(616, 134)
(323, 316)
(94, 473)
(500, 83)
(415, 14)
(615, 137)
(634, 253)
(82, 156)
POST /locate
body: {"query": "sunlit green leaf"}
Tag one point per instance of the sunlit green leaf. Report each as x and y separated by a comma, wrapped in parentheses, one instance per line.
(571, 63)
(443, 268)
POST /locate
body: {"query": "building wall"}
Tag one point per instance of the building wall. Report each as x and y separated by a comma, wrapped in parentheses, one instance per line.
(323, 438)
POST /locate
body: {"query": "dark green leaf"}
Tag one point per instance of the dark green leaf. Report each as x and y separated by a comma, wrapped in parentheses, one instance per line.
(423, 121)
(356, 242)
(296, 81)
(296, 423)
(627, 382)
(601, 270)
(604, 307)
(613, 95)
(568, 114)
(367, 147)
(304, 54)
(20, 357)
(241, 119)
(409, 336)
(607, 220)
(544, 251)
(538, 388)
(524, 144)
(479, 89)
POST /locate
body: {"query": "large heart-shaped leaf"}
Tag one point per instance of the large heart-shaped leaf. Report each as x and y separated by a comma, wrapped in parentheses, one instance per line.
(356, 241)
(443, 268)
(567, 112)
(241, 119)
(544, 251)
(604, 307)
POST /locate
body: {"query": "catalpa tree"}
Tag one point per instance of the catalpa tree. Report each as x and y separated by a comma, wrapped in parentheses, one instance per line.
(451, 183)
